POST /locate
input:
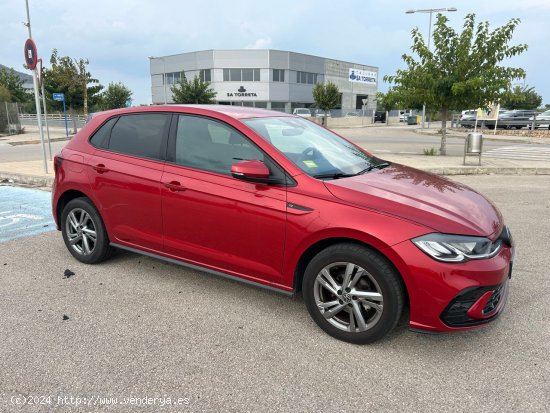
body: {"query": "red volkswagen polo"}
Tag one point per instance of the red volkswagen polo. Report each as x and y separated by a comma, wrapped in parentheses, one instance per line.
(278, 201)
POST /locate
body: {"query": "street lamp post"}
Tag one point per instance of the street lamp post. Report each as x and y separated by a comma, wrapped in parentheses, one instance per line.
(163, 76)
(431, 11)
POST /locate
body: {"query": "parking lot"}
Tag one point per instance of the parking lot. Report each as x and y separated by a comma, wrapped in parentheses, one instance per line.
(138, 327)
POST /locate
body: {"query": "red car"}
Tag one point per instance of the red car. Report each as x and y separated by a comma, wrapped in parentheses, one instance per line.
(277, 201)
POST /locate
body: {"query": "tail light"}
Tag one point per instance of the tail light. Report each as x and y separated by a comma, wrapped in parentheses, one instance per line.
(57, 159)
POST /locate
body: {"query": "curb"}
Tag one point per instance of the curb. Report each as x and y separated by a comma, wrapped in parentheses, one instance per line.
(36, 142)
(34, 180)
(478, 170)
(494, 138)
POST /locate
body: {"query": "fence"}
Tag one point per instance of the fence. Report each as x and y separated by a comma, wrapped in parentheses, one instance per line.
(54, 116)
(10, 122)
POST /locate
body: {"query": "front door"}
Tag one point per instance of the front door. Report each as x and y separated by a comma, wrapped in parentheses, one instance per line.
(213, 219)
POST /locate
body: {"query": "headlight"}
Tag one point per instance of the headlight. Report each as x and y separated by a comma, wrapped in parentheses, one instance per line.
(457, 248)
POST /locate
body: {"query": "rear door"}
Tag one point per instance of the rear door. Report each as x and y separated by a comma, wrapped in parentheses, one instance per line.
(213, 219)
(125, 173)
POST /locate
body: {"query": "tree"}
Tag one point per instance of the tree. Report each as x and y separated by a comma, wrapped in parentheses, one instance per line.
(70, 77)
(387, 101)
(463, 71)
(326, 97)
(521, 98)
(196, 91)
(5, 95)
(14, 84)
(115, 96)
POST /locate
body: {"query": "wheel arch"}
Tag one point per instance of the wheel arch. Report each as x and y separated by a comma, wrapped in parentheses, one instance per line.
(320, 245)
(64, 199)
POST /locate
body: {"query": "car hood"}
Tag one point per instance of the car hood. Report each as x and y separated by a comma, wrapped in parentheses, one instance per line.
(422, 197)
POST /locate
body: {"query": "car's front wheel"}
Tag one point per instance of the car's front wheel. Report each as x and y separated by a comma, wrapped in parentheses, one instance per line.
(84, 232)
(353, 293)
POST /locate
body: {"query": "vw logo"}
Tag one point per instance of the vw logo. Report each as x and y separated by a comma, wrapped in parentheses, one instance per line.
(346, 297)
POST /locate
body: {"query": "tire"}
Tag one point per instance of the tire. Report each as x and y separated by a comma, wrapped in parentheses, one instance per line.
(80, 222)
(360, 318)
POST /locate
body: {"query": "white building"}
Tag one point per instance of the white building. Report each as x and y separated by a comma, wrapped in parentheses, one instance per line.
(271, 79)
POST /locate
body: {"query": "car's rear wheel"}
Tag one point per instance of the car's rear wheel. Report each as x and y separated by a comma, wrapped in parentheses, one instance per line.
(84, 232)
(353, 293)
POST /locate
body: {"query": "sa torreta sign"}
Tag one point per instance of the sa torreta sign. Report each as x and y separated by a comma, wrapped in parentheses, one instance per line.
(242, 93)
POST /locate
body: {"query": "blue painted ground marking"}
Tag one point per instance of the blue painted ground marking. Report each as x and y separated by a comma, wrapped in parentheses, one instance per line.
(24, 212)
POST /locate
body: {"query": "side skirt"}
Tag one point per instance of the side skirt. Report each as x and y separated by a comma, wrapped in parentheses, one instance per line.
(204, 269)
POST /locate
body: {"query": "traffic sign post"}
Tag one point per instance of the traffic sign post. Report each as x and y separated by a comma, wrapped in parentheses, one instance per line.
(31, 60)
(60, 97)
(41, 84)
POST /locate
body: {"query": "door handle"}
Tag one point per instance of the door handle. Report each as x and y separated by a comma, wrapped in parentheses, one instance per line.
(100, 168)
(174, 186)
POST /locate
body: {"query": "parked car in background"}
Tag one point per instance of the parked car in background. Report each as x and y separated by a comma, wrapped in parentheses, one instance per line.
(379, 116)
(468, 114)
(320, 113)
(542, 120)
(277, 201)
(303, 112)
(514, 119)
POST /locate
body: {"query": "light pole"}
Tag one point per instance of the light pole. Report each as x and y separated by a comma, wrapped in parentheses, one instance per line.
(163, 76)
(431, 11)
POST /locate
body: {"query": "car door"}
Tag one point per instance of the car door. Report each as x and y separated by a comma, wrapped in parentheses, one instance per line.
(213, 219)
(125, 172)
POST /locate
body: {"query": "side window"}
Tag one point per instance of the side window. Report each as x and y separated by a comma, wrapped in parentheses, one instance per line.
(101, 136)
(210, 145)
(140, 134)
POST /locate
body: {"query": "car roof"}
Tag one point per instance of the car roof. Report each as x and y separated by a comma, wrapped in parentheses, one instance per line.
(237, 112)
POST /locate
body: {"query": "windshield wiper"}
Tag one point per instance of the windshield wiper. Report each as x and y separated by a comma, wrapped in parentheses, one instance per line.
(333, 176)
(371, 167)
(339, 175)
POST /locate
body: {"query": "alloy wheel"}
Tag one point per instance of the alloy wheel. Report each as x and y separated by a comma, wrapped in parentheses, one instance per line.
(81, 231)
(348, 297)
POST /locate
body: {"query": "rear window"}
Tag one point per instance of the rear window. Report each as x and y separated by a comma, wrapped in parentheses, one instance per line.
(140, 135)
(101, 136)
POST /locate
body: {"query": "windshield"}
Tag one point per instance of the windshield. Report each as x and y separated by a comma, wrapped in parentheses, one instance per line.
(315, 150)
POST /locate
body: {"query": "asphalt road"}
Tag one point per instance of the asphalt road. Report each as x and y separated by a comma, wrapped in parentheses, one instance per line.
(402, 139)
(140, 328)
(379, 140)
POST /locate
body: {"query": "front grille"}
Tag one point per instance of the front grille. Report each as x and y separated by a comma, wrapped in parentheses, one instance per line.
(455, 314)
(493, 301)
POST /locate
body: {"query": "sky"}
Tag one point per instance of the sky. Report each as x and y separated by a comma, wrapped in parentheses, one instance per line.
(118, 36)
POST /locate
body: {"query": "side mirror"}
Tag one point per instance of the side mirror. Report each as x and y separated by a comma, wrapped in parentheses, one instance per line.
(253, 171)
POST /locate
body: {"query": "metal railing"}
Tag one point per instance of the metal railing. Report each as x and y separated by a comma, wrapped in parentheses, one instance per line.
(53, 116)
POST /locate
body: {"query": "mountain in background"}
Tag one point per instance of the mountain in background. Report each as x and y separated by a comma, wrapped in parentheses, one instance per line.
(26, 78)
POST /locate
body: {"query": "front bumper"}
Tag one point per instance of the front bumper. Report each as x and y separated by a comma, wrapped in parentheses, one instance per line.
(454, 296)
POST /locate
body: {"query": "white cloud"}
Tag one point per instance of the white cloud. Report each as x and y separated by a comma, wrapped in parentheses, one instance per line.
(261, 43)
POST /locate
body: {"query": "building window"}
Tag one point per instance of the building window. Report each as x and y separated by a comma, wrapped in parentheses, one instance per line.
(235, 75)
(278, 75)
(205, 75)
(247, 75)
(172, 78)
(241, 75)
(306, 78)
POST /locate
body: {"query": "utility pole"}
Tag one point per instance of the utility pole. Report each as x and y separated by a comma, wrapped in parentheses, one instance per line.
(37, 96)
(431, 11)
